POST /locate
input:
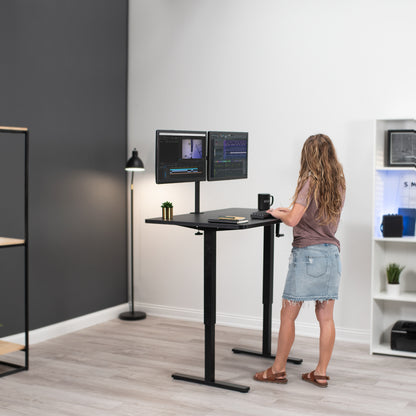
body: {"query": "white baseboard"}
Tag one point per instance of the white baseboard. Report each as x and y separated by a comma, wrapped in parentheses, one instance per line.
(186, 314)
(71, 325)
(250, 322)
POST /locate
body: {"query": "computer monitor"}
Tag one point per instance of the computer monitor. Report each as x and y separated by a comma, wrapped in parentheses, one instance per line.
(227, 155)
(180, 156)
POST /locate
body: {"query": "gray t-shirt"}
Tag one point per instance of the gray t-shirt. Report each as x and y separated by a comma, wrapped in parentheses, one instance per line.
(308, 231)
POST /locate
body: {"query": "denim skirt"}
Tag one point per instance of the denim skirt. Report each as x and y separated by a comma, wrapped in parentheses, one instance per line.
(314, 273)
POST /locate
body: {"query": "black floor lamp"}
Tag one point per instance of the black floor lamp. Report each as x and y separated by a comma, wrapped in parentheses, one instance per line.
(134, 164)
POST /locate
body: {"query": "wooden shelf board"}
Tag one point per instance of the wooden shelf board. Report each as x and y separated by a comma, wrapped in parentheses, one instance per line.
(395, 169)
(8, 347)
(403, 297)
(395, 239)
(386, 350)
(5, 241)
(13, 128)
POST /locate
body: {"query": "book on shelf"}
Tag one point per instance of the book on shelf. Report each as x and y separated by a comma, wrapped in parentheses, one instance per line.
(229, 219)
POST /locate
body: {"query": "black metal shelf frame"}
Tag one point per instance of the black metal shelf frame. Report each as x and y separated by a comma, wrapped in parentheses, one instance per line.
(14, 368)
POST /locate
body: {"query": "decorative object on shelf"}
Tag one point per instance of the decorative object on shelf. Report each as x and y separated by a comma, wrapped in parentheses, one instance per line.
(134, 164)
(392, 225)
(407, 189)
(167, 210)
(403, 336)
(401, 145)
(393, 271)
(409, 219)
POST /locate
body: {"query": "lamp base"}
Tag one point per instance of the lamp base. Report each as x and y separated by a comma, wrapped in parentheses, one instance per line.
(132, 316)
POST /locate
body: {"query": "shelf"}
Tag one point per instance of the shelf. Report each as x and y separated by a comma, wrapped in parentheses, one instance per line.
(5, 241)
(388, 195)
(396, 169)
(8, 347)
(395, 239)
(386, 350)
(403, 297)
(16, 129)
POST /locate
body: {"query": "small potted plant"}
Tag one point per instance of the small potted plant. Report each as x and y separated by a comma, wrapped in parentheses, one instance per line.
(393, 271)
(167, 210)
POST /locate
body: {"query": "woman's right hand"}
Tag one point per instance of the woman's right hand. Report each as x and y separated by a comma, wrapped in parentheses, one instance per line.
(289, 216)
(278, 211)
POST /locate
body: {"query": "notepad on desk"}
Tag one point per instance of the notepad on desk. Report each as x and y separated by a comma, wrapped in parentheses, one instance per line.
(229, 219)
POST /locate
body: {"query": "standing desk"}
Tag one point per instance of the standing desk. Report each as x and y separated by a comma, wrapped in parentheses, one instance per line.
(199, 221)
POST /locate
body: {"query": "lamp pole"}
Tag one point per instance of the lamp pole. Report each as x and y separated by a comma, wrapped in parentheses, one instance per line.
(134, 164)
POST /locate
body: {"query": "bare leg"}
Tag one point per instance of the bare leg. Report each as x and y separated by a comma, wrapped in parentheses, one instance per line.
(324, 313)
(288, 315)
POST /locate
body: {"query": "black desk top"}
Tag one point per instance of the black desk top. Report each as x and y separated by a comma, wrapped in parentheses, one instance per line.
(200, 221)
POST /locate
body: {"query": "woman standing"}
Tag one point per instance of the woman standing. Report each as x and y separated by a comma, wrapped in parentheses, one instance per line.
(314, 266)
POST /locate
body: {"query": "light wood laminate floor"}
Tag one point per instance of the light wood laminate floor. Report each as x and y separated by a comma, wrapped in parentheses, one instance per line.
(122, 368)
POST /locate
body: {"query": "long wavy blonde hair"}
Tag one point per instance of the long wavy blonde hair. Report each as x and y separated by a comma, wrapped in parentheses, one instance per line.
(320, 164)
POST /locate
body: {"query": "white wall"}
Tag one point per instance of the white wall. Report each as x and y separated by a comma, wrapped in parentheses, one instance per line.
(281, 70)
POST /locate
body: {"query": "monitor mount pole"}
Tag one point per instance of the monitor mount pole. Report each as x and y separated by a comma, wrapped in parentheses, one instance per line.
(197, 195)
(197, 198)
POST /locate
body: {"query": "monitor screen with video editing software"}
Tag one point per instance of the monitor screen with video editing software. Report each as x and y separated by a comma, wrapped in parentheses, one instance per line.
(180, 156)
(227, 155)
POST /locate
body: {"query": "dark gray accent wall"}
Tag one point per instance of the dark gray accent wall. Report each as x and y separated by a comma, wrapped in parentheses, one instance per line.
(63, 71)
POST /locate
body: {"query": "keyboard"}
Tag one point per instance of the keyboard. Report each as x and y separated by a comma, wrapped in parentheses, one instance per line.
(260, 215)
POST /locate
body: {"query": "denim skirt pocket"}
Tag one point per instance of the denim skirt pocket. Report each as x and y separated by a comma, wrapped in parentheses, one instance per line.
(316, 265)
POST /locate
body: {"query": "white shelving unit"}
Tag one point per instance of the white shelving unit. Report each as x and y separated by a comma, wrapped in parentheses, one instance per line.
(386, 309)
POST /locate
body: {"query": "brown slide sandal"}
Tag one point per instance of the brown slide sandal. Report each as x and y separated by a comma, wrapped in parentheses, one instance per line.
(271, 377)
(312, 378)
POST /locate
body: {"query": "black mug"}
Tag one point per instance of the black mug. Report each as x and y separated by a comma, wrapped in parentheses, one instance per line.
(264, 201)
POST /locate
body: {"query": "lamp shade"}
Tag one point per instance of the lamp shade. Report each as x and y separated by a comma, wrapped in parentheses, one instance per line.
(135, 163)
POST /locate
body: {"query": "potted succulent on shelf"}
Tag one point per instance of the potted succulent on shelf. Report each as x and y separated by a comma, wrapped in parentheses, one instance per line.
(393, 271)
(167, 210)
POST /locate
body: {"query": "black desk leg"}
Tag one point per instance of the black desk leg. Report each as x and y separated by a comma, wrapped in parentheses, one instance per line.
(268, 262)
(210, 260)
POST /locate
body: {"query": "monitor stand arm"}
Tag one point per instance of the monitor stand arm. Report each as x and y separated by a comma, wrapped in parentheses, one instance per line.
(197, 197)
